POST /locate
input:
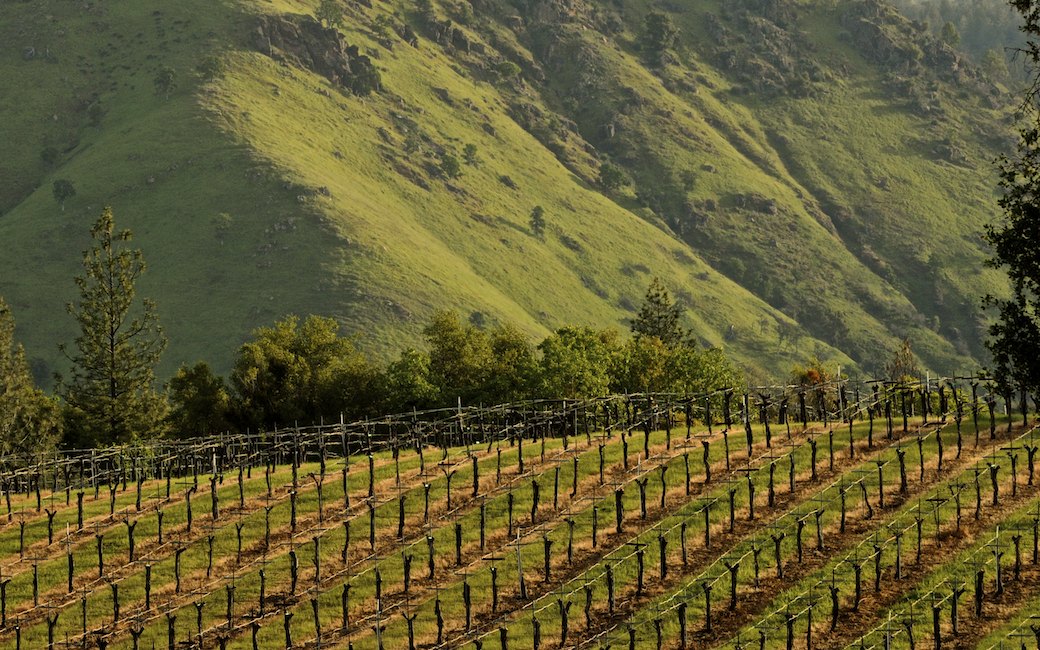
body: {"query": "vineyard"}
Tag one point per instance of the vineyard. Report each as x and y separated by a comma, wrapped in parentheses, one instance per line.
(867, 515)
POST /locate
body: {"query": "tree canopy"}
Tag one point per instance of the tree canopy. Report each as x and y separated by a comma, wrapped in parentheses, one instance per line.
(30, 421)
(302, 372)
(1015, 336)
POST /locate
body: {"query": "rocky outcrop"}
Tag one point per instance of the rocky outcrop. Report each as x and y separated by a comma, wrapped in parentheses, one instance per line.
(302, 41)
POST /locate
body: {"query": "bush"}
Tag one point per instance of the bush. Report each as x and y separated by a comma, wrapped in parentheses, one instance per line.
(611, 178)
(450, 166)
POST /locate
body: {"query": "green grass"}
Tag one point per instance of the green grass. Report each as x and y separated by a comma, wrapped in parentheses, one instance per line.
(381, 253)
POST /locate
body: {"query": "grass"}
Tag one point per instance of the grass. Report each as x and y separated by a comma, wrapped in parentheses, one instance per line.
(330, 214)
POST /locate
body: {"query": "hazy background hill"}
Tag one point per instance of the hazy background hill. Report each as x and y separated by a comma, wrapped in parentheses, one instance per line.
(807, 177)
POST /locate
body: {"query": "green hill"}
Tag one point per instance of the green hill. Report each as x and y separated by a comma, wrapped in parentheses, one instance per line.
(807, 177)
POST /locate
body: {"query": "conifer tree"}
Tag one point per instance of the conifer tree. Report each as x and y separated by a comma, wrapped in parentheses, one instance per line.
(1015, 336)
(659, 316)
(29, 420)
(110, 394)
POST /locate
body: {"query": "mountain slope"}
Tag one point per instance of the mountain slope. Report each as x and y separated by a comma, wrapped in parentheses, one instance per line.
(796, 210)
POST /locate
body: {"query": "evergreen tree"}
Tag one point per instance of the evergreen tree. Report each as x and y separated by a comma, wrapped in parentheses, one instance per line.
(1015, 336)
(29, 420)
(538, 221)
(660, 317)
(110, 396)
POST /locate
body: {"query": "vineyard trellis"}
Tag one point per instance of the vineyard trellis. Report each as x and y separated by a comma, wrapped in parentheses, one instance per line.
(588, 442)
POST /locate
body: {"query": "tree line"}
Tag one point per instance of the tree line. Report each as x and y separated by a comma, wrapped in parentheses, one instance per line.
(304, 370)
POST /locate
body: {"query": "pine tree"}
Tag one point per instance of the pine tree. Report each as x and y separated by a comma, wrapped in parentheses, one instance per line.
(659, 317)
(1015, 336)
(111, 395)
(29, 420)
(538, 221)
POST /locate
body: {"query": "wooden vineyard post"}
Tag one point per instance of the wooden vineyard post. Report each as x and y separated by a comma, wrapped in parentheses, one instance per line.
(734, 570)
(746, 417)
(800, 526)
(899, 555)
(619, 512)
(509, 512)
(732, 508)
(345, 606)
(818, 515)
(993, 469)
(662, 547)
(641, 483)
(100, 538)
(214, 499)
(681, 613)
(664, 484)
(595, 529)
(937, 625)
(287, 627)
(955, 595)
(294, 571)
(980, 576)
(857, 569)
(686, 465)
(777, 541)
(835, 607)
(130, 527)
(640, 554)
(371, 525)
(187, 505)
(706, 509)
(483, 521)
(574, 477)
(877, 567)
(570, 539)
(535, 490)
(707, 606)
(707, 463)
(588, 606)
(564, 613)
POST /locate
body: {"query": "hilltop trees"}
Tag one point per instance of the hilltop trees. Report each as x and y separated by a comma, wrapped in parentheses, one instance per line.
(110, 395)
(30, 421)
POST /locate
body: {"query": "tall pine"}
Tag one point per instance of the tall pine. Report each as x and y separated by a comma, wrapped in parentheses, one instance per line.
(659, 316)
(30, 421)
(1014, 338)
(110, 395)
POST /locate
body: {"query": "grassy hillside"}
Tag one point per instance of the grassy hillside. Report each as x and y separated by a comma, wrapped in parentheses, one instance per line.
(799, 201)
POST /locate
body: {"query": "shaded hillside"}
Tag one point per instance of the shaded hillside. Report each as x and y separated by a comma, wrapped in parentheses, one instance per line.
(806, 177)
